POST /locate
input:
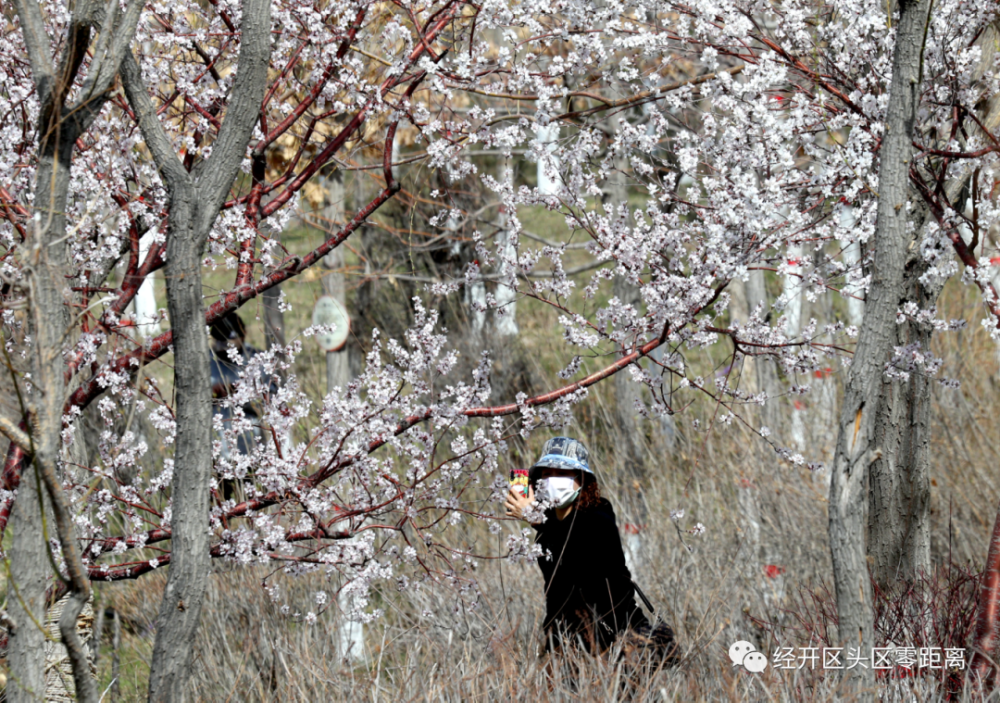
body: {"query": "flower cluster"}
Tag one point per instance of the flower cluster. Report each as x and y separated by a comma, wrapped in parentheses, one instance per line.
(690, 149)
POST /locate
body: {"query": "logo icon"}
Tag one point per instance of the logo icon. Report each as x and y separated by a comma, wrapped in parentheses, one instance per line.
(744, 654)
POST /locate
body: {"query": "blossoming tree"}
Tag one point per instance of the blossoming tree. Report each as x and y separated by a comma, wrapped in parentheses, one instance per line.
(735, 133)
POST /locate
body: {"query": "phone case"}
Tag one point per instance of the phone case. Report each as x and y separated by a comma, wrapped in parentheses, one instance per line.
(519, 480)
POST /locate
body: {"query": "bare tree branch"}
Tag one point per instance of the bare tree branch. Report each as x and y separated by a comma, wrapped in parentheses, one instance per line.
(116, 37)
(155, 136)
(215, 174)
(36, 41)
(15, 434)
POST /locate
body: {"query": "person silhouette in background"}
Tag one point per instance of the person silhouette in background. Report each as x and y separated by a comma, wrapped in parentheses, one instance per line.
(230, 355)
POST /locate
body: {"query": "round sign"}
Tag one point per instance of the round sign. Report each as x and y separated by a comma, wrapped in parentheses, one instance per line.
(330, 314)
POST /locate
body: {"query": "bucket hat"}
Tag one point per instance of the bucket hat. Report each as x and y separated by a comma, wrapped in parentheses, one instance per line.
(562, 453)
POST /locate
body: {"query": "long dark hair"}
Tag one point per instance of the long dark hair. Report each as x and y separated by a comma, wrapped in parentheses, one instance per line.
(590, 494)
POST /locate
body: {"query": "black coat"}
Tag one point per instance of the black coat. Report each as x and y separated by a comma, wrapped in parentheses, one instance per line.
(588, 588)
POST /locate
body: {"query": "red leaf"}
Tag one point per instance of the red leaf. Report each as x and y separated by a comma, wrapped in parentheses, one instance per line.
(773, 571)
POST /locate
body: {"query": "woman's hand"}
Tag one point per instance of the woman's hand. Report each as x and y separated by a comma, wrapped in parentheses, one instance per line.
(517, 502)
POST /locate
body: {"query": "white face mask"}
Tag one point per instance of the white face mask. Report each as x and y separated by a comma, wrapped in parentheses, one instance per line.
(558, 490)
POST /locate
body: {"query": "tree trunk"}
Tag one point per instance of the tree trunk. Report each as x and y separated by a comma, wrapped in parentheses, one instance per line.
(899, 530)
(189, 561)
(29, 565)
(351, 639)
(899, 484)
(60, 681)
(274, 318)
(857, 444)
(755, 372)
(338, 371)
(59, 125)
(146, 310)
(116, 643)
(630, 445)
(852, 259)
(196, 196)
(95, 641)
(760, 370)
(26, 594)
(49, 295)
(505, 319)
(791, 298)
(548, 165)
(825, 391)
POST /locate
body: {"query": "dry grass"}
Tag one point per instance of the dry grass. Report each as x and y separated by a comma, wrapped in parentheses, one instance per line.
(714, 589)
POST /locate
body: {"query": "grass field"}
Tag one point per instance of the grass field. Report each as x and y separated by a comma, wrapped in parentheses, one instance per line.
(760, 572)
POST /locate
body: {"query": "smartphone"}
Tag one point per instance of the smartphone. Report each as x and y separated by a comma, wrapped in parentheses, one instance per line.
(519, 481)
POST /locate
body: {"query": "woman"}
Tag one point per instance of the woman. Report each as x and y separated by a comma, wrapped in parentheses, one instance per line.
(588, 589)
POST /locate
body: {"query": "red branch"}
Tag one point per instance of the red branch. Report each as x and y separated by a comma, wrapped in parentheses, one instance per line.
(241, 294)
(313, 94)
(314, 479)
(244, 270)
(235, 298)
(957, 154)
(990, 297)
(232, 300)
(988, 615)
(337, 142)
(135, 569)
(133, 280)
(14, 212)
(988, 618)
(10, 480)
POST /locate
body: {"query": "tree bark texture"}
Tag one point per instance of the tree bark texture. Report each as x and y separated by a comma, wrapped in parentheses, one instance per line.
(59, 125)
(190, 561)
(900, 488)
(791, 301)
(195, 200)
(630, 445)
(26, 595)
(857, 441)
(50, 319)
(506, 323)
(899, 541)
